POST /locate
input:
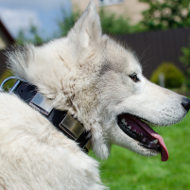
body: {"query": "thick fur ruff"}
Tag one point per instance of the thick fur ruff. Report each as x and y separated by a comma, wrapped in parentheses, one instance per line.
(88, 74)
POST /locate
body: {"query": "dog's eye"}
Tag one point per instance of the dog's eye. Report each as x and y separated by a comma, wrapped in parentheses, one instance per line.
(134, 77)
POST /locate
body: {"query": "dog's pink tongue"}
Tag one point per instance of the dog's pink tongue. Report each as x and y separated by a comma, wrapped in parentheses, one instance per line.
(151, 132)
(164, 151)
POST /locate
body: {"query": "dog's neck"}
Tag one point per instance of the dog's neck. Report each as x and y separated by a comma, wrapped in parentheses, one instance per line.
(62, 120)
(68, 84)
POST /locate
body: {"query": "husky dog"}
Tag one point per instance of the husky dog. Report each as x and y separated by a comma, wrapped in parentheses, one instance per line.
(97, 81)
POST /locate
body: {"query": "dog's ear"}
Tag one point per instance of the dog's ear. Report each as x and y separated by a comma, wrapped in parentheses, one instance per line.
(87, 29)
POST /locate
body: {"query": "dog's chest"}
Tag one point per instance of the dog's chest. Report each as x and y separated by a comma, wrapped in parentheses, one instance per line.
(34, 155)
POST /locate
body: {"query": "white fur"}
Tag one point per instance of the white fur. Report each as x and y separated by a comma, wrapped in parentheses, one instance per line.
(86, 73)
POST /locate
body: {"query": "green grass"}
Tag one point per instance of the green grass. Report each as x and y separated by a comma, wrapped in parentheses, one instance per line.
(127, 170)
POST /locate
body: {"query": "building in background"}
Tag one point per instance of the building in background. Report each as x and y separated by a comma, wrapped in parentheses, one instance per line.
(6, 40)
(127, 8)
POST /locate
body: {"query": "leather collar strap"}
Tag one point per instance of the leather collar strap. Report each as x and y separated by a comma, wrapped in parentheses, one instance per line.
(62, 120)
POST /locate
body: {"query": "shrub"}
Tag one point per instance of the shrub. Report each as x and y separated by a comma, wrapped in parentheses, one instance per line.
(173, 77)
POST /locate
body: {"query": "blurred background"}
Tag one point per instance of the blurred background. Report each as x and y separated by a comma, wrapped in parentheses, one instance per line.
(158, 31)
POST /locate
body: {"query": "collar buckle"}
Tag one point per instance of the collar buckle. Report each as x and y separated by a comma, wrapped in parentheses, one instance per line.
(62, 120)
(71, 126)
(39, 102)
(2, 86)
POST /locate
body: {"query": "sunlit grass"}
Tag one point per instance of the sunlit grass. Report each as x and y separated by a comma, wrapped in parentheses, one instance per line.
(127, 170)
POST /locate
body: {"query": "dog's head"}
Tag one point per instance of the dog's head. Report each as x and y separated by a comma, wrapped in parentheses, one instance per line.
(101, 83)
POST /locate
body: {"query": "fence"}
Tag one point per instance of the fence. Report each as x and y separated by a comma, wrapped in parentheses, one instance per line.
(152, 48)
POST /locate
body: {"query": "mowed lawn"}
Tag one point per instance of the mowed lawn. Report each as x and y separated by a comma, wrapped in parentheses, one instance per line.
(127, 170)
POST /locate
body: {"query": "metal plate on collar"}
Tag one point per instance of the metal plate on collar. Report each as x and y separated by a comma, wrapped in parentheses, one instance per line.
(41, 104)
(72, 126)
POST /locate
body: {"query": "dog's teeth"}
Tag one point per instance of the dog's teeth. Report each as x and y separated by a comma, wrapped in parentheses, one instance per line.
(124, 121)
(144, 139)
(155, 141)
(129, 127)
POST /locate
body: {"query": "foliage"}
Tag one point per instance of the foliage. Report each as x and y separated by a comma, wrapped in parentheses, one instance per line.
(173, 77)
(185, 59)
(36, 37)
(127, 170)
(164, 14)
(33, 36)
(21, 38)
(111, 24)
(67, 22)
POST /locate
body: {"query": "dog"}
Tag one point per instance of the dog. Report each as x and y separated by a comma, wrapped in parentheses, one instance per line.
(100, 84)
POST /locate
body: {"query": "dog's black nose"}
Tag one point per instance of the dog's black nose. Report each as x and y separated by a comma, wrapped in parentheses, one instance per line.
(186, 103)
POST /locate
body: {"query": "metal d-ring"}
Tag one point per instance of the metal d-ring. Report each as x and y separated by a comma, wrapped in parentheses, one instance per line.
(8, 79)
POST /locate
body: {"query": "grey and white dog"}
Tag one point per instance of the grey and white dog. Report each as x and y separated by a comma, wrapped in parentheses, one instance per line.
(101, 84)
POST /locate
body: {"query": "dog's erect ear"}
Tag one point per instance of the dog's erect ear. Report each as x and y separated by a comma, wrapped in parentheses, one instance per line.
(87, 29)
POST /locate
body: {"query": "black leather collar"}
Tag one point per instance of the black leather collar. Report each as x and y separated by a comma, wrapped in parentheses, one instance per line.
(62, 120)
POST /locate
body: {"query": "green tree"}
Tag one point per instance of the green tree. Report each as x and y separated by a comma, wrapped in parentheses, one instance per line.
(164, 14)
(21, 38)
(33, 36)
(37, 39)
(111, 24)
(67, 22)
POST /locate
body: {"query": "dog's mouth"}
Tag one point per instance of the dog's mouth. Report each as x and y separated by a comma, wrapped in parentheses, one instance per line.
(140, 131)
